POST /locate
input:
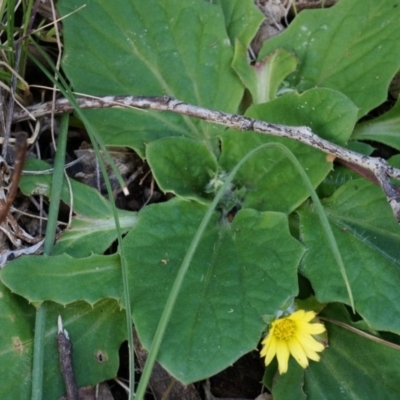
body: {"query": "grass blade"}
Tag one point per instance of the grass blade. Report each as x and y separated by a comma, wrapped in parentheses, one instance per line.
(40, 319)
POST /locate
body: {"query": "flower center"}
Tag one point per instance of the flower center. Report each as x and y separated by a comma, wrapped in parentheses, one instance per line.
(284, 329)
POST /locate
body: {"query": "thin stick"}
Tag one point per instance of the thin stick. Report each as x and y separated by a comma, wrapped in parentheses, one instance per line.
(360, 332)
(65, 355)
(20, 149)
(378, 166)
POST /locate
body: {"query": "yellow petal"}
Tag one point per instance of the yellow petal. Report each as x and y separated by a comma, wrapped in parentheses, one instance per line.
(297, 351)
(302, 316)
(297, 315)
(271, 350)
(266, 343)
(309, 342)
(282, 354)
(309, 316)
(312, 355)
(312, 329)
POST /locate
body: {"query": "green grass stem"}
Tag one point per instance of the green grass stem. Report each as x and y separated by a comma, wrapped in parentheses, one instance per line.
(10, 13)
(41, 313)
(322, 217)
(97, 145)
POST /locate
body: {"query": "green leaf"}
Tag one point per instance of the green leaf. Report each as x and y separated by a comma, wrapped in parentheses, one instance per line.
(271, 181)
(264, 78)
(353, 47)
(336, 178)
(17, 320)
(360, 147)
(94, 331)
(181, 166)
(368, 238)
(86, 200)
(384, 129)
(352, 367)
(92, 230)
(173, 47)
(86, 235)
(242, 19)
(239, 272)
(394, 161)
(64, 279)
(289, 386)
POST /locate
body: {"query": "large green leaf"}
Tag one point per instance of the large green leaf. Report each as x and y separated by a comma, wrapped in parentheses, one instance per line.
(64, 279)
(353, 47)
(239, 272)
(271, 181)
(368, 238)
(96, 333)
(352, 367)
(152, 47)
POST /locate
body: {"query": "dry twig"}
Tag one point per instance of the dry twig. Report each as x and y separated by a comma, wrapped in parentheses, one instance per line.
(65, 356)
(377, 166)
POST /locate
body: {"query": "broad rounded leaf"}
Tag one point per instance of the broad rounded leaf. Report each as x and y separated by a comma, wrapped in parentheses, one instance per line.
(240, 271)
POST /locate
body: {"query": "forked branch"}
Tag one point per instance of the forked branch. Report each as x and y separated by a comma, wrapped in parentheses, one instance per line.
(379, 168)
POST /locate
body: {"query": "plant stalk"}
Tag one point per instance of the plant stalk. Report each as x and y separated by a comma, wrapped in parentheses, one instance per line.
(41, 313)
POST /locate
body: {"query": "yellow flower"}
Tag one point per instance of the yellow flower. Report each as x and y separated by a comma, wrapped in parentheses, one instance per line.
(293, 335)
